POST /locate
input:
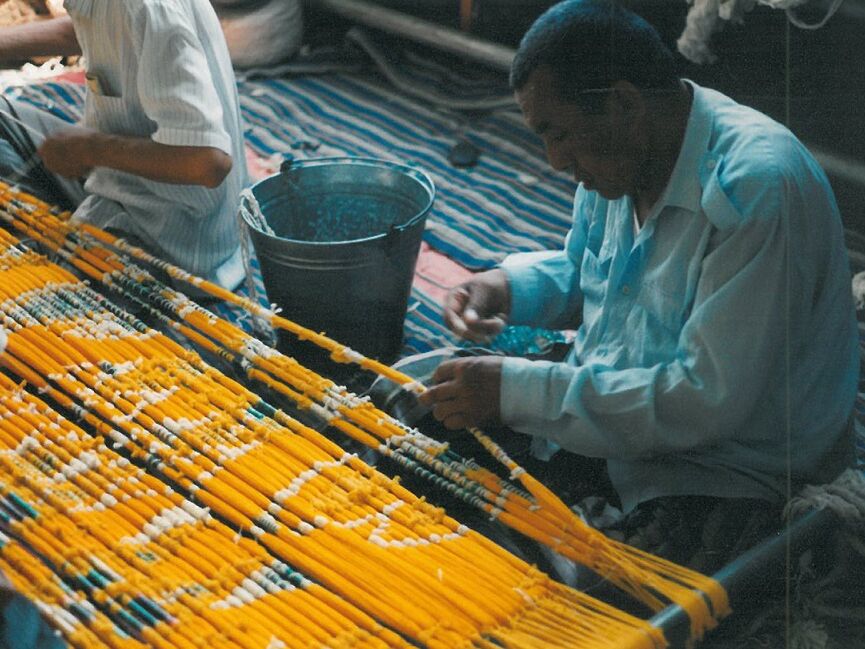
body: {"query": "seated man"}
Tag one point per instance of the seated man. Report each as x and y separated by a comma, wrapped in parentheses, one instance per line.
(714, 366)
(161, 143)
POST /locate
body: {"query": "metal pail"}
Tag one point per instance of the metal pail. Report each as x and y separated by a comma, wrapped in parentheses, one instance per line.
(347, 233)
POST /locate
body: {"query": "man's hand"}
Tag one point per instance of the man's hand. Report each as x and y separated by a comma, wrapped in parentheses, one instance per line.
(477, 310)
(69, 152)
(466, 392)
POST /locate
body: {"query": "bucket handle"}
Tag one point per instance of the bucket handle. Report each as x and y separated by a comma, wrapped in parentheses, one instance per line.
(392, 239)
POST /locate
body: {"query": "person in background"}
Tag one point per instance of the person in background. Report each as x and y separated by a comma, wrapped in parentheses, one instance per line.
(159, 153)
(714, 366)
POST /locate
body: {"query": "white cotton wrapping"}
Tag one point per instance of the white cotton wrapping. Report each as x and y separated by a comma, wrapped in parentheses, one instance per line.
(3, 340)
(259, 35)
(705, 17)
(859, 290)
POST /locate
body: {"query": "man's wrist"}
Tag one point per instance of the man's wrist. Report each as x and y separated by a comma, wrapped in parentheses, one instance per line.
(107, 150)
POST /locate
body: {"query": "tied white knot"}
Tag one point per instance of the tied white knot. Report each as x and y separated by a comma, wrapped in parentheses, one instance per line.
(858, 294)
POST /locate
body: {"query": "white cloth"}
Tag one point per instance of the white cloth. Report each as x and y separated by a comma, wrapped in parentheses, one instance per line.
(261, 35)
(161, 69)
(705, 17)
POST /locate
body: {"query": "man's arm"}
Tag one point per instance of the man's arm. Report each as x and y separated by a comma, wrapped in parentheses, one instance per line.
(540, 289)
(53, 37)
(75, 151)
(728, 350)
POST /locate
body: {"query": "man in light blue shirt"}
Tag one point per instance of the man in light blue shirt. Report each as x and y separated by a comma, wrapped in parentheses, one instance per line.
(705, 274)
(161, 142)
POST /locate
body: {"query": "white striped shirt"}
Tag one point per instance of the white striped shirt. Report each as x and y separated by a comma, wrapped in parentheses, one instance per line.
(161, 69)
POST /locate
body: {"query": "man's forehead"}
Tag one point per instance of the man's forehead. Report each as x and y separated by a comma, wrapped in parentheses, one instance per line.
(539, 99)
(540, 83)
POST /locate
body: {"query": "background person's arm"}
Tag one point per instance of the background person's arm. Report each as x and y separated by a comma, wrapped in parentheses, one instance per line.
(53, 37)
(74, 151)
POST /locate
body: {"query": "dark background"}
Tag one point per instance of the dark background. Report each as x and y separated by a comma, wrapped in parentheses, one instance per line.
(758, 62)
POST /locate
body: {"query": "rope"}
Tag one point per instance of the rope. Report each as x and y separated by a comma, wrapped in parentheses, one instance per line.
(251, 488)
(789, 7)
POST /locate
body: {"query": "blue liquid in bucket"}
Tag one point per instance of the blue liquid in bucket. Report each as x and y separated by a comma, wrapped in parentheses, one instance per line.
(347, 233)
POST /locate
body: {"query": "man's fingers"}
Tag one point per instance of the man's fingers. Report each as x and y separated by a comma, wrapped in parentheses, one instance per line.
(438, 393)
(446, 371)
(457, 299)
(445, 409)
(467, 314)
(465, 391)
(456, 324)
(455, 304)
(489, 326)
(483, 330)
(451, 413)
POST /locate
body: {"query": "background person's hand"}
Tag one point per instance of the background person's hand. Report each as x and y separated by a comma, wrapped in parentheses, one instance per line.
(466, 392)
(477, 310)
(69, 152)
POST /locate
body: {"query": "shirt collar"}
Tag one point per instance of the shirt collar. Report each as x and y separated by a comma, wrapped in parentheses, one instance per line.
(684, 188)
(79, 7)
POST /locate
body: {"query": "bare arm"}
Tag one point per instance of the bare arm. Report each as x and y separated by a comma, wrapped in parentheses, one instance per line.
(74, 151)
(53, 37)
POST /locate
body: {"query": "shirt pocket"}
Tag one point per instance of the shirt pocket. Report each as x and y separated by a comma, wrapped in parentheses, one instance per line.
(663, 299)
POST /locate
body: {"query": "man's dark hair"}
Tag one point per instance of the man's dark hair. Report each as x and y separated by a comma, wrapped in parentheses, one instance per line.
(591, 44)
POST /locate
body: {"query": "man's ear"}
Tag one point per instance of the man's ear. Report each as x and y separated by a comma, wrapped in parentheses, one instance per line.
(627, 103)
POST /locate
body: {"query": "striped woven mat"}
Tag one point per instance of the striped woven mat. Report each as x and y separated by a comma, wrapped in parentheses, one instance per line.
(508, 201)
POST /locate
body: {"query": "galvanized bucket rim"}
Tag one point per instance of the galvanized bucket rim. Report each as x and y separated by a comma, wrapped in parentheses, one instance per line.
(414, 172)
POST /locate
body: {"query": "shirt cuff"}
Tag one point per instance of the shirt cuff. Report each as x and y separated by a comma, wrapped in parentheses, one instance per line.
(532, 396)
(523, 388)
(187, 137)
(525, 285)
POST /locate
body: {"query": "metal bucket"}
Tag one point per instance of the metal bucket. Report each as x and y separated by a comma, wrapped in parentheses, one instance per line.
(347, 233)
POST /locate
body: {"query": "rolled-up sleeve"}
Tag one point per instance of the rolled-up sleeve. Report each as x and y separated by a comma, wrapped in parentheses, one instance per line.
(174, 81)
(730, 343)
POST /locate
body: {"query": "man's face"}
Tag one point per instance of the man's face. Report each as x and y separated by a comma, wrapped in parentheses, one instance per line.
(598, 149)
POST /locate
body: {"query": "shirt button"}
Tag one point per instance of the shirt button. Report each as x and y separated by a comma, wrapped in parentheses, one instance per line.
(626, 290)
(711, 165)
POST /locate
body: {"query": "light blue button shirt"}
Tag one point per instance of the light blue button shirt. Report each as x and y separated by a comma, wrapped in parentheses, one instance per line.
(161, 69)
(717, 349)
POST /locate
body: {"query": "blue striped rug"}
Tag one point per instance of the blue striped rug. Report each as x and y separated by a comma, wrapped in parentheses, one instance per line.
(509, 201)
